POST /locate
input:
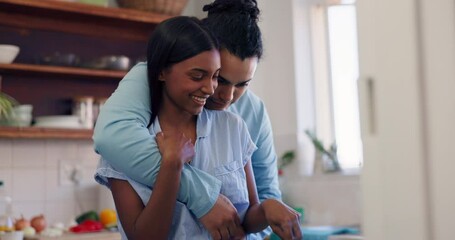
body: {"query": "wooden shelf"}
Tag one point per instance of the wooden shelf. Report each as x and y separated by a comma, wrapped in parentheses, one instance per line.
(31, 69)
(44, 133)
(41, 27)
(79, 18)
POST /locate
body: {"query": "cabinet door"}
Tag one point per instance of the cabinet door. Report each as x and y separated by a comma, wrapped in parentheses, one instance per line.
(407, 112)
(438, 42)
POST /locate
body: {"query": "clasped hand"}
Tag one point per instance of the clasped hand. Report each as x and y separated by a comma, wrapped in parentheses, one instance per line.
(223, 222)
(284, 221)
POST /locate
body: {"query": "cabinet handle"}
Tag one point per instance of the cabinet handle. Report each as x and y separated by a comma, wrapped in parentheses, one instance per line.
(367, 104)
(371, 105)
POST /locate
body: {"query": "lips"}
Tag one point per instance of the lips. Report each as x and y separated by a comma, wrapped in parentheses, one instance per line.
(199, 100)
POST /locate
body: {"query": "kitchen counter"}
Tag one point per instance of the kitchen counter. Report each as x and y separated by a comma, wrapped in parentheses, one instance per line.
(105, 235)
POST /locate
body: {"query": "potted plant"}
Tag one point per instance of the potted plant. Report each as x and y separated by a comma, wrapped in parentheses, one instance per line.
(285, 160)
(7, 104)
(328, 157)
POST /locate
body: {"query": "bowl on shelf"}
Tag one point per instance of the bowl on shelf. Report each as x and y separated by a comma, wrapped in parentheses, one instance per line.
(59, 59)
(22, 115)
(58, 121)
(110, 62)
(8, 53)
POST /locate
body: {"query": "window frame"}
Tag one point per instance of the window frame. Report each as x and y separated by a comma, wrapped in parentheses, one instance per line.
(322, 74)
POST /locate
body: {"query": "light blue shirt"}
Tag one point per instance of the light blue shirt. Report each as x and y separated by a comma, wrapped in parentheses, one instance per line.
(223, 147)
(121, 136)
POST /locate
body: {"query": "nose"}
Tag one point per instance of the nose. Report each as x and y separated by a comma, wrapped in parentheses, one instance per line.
(209, 86)
(226, 93)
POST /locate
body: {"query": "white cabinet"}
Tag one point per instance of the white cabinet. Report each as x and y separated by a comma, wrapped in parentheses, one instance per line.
(407, 101)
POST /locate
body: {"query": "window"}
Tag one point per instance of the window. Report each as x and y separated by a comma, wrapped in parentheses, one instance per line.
(335, 56)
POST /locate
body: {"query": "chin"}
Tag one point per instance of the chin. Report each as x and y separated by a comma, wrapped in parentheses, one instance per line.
(214, 106)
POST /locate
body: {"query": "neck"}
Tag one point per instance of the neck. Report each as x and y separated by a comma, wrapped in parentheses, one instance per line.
(174, 120)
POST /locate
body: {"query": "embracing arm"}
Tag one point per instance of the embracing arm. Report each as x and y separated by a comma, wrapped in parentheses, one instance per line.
(264, 160)
(121, 136)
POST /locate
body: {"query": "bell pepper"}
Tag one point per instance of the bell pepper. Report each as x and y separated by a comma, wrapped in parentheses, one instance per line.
(90, 215)
(87, 226)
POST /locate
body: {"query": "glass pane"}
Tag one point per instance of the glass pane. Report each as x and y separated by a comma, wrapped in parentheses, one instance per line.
(344, 67)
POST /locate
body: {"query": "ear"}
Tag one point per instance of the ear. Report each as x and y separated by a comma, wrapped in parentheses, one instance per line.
(161, 77)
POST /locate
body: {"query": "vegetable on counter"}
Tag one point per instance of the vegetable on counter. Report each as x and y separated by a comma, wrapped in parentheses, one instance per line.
(38, 223)
(90, 215)
(108, 217)
(21, 223)
(87, 226)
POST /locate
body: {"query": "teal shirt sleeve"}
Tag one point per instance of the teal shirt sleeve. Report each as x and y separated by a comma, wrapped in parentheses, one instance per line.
(122, 138)
(264, 159)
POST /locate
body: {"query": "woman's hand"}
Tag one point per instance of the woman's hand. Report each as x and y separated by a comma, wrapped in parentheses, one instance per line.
(284, 221)
(175, 148)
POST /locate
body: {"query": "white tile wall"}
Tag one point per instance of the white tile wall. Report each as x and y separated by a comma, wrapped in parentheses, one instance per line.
(29, 153)
(30, 170)
(6, 153)
(330, 199)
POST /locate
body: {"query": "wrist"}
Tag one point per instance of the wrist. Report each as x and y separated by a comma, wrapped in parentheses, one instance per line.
(172, 165)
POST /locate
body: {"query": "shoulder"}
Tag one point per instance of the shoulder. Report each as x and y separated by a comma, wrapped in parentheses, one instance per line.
(253, 111)
(223, 117)
(138, 72)
(250, 98)
(249, 105)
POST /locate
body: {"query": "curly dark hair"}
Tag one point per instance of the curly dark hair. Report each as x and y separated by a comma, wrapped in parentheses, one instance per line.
(235, 24)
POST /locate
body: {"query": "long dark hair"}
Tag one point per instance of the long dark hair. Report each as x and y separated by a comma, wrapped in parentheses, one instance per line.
(234, 24)
(174, 40)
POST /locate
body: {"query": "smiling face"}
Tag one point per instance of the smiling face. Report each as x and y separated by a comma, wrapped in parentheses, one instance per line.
(189, 83)
(234, 78)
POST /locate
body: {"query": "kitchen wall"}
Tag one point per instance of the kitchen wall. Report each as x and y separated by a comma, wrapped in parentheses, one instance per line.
(30, 170)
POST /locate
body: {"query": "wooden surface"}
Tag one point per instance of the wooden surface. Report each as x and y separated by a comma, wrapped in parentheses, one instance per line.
(79, 18)
(31, 69)
(44, 133)
(82, 236)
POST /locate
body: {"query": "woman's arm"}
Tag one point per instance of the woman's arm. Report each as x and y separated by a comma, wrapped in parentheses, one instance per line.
(154, 220)
(122, 138)
(255, 220)
(283, 220)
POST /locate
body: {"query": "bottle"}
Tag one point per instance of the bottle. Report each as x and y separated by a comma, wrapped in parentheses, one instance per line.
(83, 108)
(6, 210)
(97, 105)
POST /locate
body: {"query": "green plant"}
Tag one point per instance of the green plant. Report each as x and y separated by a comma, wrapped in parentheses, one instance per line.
(7, 103)
(330, 153)
(285, 160)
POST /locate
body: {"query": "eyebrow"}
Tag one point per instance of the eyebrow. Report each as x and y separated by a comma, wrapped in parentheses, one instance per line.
(199, 70)
(225, 80)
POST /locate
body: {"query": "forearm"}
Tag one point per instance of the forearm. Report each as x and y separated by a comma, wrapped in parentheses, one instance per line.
(255, 220)
(155, 220)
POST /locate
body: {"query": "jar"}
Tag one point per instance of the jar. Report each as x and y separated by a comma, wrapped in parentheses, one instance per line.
(6, 211)
(83, 108)
(99, 102)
